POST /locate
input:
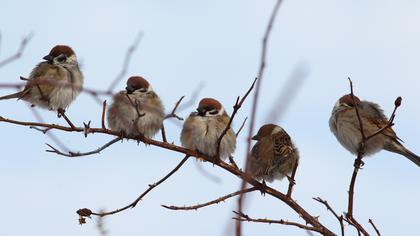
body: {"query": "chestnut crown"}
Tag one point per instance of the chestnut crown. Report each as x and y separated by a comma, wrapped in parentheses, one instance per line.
(209, 105)
(346, 99)
(61, 49)
(137, 83)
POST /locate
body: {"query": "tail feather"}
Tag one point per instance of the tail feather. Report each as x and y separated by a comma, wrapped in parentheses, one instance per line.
(400, 149)
(13, 95)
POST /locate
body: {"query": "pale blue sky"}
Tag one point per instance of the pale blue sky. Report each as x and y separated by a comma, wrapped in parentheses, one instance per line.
(216, 42)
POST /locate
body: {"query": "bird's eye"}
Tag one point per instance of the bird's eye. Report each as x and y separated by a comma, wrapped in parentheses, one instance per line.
(61, 58)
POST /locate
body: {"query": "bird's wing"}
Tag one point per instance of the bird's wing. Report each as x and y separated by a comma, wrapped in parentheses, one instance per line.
(43, 79)
(374, 115)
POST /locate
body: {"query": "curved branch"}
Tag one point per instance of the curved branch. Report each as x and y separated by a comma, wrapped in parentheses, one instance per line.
(216, 201)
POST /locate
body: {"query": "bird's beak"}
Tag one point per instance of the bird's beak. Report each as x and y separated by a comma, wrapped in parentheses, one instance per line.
(201, 112)
(255, 137)
(48, 58)
(129, 89)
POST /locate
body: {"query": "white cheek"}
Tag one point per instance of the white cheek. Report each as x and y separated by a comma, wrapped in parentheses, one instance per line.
(278, 129)
(222, 110)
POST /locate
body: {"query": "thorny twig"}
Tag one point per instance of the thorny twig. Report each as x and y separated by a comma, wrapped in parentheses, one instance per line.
(216, 201)
(340, 218)
(255, 102)
(292, 180)
(19, 52)
(358, 163)
(173, 114)
(236, 107)
(133, 204)
(237, 172)
(79, 154)
(243, 217)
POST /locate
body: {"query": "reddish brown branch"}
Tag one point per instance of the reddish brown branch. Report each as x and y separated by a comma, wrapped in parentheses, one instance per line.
(374, 227)
(255, 103)
(236, 107)
(126, 63)
(240, 174)
(79, 154)
(340, 218)
(216, 201)
(173, 114)
(358, 163)
(133, 204)
(292, 180)
(243, 217)
(19, 52)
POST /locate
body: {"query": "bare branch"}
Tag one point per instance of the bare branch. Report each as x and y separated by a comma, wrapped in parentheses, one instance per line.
(126, 63)
(243, 217)
(242, 126)
(79, 154)
(340, 218)
(236, 107)
(216, 201)
(133, 204)
(172, 114)
(292, 180)
(240, 174)
(103, 115)
(19, 52)
(374, 227)
(255, 103)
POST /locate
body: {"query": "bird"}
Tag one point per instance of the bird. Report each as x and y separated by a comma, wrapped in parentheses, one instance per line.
(202, 129)
(344, 124)
(54, 83)
(137, 110)
(274, 155)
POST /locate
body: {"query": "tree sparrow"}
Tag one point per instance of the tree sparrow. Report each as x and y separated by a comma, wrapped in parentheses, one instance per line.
(274, 155)
(54, 83)
(345, 126)
(203, 128)
(137, 110)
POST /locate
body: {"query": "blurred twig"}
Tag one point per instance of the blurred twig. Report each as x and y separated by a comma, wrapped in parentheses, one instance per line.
(19, 52)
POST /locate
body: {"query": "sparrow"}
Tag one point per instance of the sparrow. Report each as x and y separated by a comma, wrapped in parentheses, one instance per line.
(137, 110)
(274, 155)
(54, 83)
(345, 126)
(202, 129)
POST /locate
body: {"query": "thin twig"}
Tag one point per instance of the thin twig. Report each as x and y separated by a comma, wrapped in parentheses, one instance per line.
(19, 52)
(340, 218)
(162, 130)
(292, 180)
(227, 167)
(374, 227)
(172, 114)
(79, 154)
(255, 102)
(151, 186)
(236, 107)
(126, 63)
(242, 126)
(103, 115)
(216, 201)
(243, 217)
